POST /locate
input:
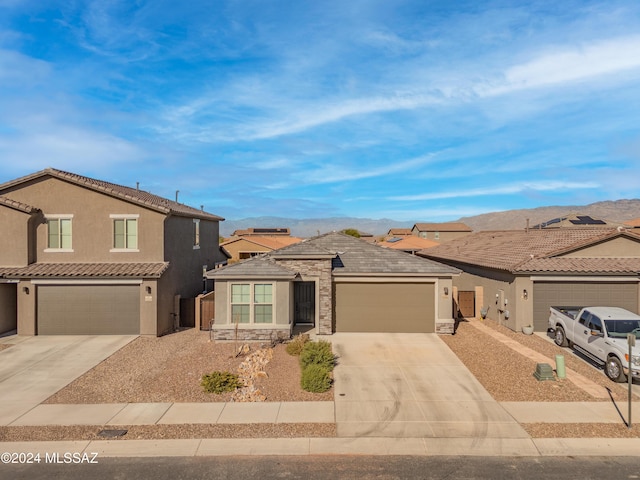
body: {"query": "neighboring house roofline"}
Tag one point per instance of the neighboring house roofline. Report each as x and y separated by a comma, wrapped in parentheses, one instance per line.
(86, 270)
(133, 195)
(21, 207)
(442, 227)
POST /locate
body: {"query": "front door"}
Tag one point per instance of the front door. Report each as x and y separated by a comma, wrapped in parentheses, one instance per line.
(304, 299)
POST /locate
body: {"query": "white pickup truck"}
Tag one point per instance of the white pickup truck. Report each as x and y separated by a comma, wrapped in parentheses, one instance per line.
(601, 334)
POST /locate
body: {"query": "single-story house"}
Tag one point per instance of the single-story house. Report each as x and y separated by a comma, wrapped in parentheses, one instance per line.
(332, 283)
(514, 276)
(241, 248)
(441, 232)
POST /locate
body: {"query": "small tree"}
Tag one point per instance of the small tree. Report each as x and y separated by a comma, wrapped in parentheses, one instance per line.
(351, 231)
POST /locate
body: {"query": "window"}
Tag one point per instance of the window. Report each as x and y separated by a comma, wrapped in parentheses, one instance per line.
(59, 233)
(436, 235)
(125, 232)
(196, 233)
(252, 303)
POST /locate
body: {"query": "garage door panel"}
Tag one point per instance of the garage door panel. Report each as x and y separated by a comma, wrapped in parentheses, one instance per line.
(385, 307)
(614, 294)
(88, 310)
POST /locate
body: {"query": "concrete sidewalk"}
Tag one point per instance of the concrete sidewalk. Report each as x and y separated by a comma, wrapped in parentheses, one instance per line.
(524, 447)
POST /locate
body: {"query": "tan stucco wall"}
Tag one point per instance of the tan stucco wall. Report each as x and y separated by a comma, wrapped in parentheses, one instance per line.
(14, 241)
(440, 237)
(617, 247)
(148, 307)
(444, 301)
(8, 307)
(92, 227)
(26, 308)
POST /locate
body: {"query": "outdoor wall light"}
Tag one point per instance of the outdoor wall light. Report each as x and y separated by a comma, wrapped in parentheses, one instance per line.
(446, 290)
(525, 294)
(148, 290)
(25, 290)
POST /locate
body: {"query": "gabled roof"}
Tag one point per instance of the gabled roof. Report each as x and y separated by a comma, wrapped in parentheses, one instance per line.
(22, 207)
(533, 250)
(349, 256)
(133, 195)
(442, 227)
(86, 270)
(268, 242)
(357, 257)
(399, 231)
(253, 268)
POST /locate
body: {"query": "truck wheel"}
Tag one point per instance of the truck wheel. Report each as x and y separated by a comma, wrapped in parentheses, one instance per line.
(559, 337)
(613, 369)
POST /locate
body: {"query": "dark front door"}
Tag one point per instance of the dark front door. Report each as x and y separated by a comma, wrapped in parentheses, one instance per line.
(304, 299)
(467, 304)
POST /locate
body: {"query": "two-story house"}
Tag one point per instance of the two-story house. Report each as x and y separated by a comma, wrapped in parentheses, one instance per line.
(84, 256)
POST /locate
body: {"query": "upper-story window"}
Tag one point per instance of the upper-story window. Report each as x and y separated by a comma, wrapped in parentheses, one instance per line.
(196, 233)
(59, 233)
(125, 233)
(436, 235)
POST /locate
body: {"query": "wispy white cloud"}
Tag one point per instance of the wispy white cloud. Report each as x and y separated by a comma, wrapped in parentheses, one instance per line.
(507, 190)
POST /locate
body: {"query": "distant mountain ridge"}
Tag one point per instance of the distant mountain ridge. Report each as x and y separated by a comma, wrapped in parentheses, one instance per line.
(612, 210)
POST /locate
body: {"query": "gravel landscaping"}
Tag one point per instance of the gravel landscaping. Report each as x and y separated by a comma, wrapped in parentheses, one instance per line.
(508, 376)
(170, 368)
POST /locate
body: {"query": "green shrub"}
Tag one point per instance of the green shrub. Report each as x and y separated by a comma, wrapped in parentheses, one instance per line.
(317, 353)
(295, 346)
(220, 382)
(315, 379)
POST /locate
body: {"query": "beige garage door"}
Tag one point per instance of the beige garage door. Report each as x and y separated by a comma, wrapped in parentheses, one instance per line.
(88, 310)
(385, 307)
(569, 294)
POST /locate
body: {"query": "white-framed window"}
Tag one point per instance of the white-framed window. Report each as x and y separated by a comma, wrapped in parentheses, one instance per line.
(196, 233)
(125, 233)
(436, 235)
(252, 303)
(59, 233)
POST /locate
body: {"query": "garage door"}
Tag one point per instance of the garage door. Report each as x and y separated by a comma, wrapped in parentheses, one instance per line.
(613, 294)
(385, 307)
(88, 310)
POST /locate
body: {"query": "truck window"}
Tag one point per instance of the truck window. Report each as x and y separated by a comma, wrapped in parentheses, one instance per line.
(595, 324)
(584, 318)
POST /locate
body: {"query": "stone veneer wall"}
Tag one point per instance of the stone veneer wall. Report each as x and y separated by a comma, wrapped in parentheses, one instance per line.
(252, 334)
(322, 270)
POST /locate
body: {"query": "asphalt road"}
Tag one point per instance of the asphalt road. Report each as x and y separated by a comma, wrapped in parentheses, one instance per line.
(332, 467)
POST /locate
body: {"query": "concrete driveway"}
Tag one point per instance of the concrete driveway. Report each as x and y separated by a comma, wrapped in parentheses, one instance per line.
(411, 385)
(34, 368)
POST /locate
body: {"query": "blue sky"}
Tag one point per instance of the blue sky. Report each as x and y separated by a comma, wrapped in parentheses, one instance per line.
(410, 110)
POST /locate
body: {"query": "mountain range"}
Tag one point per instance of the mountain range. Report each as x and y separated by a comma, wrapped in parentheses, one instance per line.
(611, 210)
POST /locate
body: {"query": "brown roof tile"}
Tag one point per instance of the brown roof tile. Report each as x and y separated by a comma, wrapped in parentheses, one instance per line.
(575, 265)
(23, 207)
(410, 242)
(507, 249)
(86, 270)
(133, 195)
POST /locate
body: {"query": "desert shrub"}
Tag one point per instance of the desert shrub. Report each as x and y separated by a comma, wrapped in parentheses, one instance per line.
(317, 353)
(315, 379)
(220, 382)
(295, 346)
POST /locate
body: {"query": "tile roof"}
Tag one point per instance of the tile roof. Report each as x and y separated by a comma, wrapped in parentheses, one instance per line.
(359, 257)
(262, 231)
(269, 242)
(134, 195)
(506, 249)
(600, 266)
(86, 270)
(256, 267)
(350, 256)
(633, 223)
(23, 207)
(443, 227)
(410, 242)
